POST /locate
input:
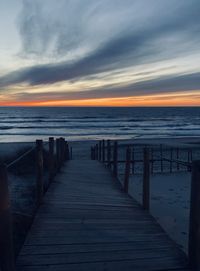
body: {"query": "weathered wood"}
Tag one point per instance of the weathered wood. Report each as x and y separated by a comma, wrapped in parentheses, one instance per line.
(67, 152)
(152, 161)
(103, 150)
(6, 234)
(188, 159)
(191, 155)
(97, 151)
(100, 150)
(108, 153)
(127, 169)
(89, 223)
(58, 164)
(177, 158)
(194, 225)
(115, 159)
(133, 160)
(171, 158)
(146, 180)
(51, 159)
(161, 157)
(62, 150)
(39, 170)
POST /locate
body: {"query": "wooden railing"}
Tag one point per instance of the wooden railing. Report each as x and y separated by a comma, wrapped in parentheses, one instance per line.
(158, 154)
(44, 159)
(112, 160)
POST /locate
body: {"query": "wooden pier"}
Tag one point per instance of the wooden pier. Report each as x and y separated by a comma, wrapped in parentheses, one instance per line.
(87, 222)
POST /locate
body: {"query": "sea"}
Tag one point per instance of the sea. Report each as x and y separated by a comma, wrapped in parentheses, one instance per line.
(25, 124)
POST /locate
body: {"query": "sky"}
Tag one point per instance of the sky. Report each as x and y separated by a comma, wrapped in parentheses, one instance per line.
(100, 53)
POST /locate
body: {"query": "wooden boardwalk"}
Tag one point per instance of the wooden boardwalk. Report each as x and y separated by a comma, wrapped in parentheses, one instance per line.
(87, 222)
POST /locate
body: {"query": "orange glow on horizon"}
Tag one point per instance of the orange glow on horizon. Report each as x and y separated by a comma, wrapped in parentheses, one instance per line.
(175, 99)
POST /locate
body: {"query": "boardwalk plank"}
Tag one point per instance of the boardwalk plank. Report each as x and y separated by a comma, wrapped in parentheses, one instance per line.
(86, 222)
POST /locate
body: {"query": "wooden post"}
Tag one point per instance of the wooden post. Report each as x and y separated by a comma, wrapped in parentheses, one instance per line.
(51, 158)
(67, 151)
(133, 160)
(39, 168)
(108, 153)
(161, 157)
(177, 158)
(188, 159)
(127, 169)
(146, 180)
(171, 157)
(152, 161)
(62, 150)
(115, 159)
(94, 149)
(7, 261)
(100, 150)
(103, 151)
(194, 225)
(97, 151)
(57, 154)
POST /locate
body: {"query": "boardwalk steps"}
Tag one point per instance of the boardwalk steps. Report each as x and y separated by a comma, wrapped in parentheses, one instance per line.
(86, 222)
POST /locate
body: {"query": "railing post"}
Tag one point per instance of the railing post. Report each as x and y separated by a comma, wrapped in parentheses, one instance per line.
(171, 157)
(108, 154)
(97, 151)
(161, 157)
(194, 225)
(115, 159)
(94, 150)
(62, 150)
(152, 161)
(188, 168)
(133, 160)
(7, 262)
(146, 180)
(51, 159)
(100, 150)
(39, 167)
(103, 151)
(127, 169)
(177, 157)
(57, 154)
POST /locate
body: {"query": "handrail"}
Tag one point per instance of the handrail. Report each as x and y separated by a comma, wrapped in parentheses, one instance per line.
(20, 157)
(54, 163)
(194, 166)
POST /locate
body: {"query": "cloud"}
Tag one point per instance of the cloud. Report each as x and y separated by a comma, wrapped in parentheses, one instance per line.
(94, 37)
(177, 84)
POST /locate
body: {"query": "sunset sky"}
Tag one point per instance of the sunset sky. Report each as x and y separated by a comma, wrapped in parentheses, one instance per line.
(100, 52)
